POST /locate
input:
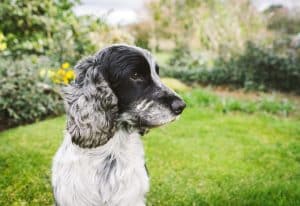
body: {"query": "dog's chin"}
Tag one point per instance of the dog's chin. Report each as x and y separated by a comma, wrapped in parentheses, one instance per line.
(154, 124)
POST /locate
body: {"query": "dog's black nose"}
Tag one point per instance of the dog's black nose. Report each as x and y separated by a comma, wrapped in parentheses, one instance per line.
(177, 106)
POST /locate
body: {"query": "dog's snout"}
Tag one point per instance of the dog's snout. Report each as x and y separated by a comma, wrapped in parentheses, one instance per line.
(177, 106)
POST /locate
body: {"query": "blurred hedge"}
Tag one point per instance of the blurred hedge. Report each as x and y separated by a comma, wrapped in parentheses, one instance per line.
(44, 28)
(257, 68)
(29, 31)
(25, 97)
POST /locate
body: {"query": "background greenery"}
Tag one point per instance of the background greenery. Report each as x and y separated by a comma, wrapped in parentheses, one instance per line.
(229, 43)
(25, 97)
(238, 141)
(207, 42)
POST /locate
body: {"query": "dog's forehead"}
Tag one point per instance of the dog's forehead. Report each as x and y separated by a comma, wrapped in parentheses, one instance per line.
(146, 54)
(151, 61)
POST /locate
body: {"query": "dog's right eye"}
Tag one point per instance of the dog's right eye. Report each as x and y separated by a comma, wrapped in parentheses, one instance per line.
(136, 76)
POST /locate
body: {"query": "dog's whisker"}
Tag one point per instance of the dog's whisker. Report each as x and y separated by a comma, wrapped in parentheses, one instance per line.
(141, 105)
(148, 105)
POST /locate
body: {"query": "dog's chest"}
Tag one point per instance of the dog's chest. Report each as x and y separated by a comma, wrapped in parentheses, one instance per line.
(113, 174)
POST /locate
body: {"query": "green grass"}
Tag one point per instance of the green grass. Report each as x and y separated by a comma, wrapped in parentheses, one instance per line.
(206, 158)
(206, 98)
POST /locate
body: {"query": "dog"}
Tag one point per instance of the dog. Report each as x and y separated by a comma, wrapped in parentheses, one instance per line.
(116, 97)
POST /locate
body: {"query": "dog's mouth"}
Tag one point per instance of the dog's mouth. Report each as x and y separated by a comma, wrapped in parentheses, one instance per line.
(155, 124)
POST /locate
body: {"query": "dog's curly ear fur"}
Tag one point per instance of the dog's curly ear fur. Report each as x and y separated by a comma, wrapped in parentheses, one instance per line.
(91, 105)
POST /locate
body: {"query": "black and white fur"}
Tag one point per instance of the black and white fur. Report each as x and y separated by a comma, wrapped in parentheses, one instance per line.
(117, 96)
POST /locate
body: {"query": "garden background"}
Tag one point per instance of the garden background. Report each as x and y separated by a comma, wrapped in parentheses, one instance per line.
(236, 65)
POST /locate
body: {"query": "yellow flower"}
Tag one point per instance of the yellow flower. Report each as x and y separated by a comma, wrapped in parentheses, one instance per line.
(65, 65)
(70, 75)
(63, 75)
(66, 81)
(61, 72)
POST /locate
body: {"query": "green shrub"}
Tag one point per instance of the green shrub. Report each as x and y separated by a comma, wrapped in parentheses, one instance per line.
(257, 68)
(141, 34)
(44, 28)
(283, 22)
(207, 25)
(261, 68)
(24, 96)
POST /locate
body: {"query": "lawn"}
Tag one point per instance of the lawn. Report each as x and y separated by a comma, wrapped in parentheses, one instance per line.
(208, 157)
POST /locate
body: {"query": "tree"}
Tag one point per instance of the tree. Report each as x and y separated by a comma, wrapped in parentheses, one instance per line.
(42, 27)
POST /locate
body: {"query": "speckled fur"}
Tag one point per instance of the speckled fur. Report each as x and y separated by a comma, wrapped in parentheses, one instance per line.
(111, 175)
(91, 106)
(101, 160)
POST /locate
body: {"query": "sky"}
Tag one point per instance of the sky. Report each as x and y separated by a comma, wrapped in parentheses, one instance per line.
(115, 11)
(128, 11)
(263, 4)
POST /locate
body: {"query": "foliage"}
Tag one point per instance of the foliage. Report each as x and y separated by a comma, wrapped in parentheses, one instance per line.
(261, 68)
(63, 75)
(25, 97)
(282, 20)
(211, 45)
(142, 34)
(210, 26)
(205, 158)
(104, 35)
(184, 58)
(47, 27)
(257, 68)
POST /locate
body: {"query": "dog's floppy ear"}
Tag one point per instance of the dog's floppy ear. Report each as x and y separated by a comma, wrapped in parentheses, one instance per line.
(91, 104)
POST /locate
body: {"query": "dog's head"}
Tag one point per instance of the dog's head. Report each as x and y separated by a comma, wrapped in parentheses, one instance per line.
(117, 87)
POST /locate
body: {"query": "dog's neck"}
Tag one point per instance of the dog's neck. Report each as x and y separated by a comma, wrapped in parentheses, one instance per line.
(124, 129)
(110, 173)
(132, 128)
(121, 141)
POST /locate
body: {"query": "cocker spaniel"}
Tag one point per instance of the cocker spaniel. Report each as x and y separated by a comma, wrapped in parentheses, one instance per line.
(116, 97)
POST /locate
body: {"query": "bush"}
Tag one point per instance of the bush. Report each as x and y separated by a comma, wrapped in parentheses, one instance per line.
(44, 28)
(142, 33)
(257, 68)
(25, 97)
(207, 25)
(282, 21)
(260, 68)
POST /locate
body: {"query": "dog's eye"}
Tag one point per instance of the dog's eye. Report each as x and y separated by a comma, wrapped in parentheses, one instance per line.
(136, 76)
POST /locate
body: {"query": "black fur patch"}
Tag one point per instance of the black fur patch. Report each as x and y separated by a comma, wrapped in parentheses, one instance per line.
(109, 166)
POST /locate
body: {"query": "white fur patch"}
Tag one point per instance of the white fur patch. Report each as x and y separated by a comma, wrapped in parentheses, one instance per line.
(81, 176)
